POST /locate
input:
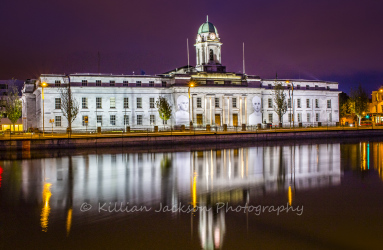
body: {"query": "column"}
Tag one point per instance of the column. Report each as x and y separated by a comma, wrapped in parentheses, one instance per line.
(240, 111)
(229, 111)
(211, 113)
(205, 111)
(245, 110)
(223, 111)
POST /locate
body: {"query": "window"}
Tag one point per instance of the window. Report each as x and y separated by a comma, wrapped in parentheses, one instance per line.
(139, 102)
(126, 102)
(98, 83)
(269, 86)
(125, 83)
(99, 120)
(298, 86)
(138, 83)
(199, 102)
(57, 103)
(58, 121)
(98, 102)
(289, 117)
(317, 117)
(328, 87)
(139, 119)
(151, 83)
(152, 120)
(234, 102)
(112, 83)
(299, 117)
(113, 102)
(85, 120)
(163, 84)
(308, 117)
(151, 101)
(299, 103)
(289, 103)
(329, 117)
(328, 104)
(307, 86)
(307, 103)
(84, 83)
(316, 103)
(113, 120)
(84, 103)
(270, 118)
(126, 120)
(316, 87)
(57, 83)
(217, 102)
(270, 103)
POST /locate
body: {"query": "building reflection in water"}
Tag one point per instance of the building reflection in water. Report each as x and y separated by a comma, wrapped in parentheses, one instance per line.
(198, 178)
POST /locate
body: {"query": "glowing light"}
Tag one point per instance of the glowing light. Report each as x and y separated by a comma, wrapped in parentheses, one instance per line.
(194, 190)
(44, 84)
(1, 171)
(46, 208)
(68, 221)
(290, 196)
(368, 156)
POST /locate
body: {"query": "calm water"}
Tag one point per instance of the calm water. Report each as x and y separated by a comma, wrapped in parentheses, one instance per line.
(317, 195)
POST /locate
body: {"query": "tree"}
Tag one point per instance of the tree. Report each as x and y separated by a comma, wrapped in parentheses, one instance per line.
(164, 108)
(359, 102)
(280, 104)
(344, 104)
(13, 106)
(69, 105)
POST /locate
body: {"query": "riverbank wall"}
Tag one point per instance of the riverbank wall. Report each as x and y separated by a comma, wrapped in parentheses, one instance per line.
(179, 139)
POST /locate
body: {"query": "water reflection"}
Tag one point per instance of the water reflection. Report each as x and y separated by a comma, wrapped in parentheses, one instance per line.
(199, 178)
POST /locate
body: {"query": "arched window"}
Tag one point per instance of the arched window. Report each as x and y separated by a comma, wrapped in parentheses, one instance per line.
(211, 55)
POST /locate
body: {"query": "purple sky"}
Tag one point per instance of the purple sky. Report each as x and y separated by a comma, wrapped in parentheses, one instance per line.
(327, 40)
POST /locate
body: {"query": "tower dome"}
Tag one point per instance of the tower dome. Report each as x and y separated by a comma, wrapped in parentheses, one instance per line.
(207, 27)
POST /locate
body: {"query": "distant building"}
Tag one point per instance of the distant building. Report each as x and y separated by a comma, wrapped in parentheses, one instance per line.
(113, 102)
(5, 123)
(376, 106)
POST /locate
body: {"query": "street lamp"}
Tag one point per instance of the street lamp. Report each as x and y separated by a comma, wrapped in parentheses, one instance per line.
(43, 85)
(191, 85)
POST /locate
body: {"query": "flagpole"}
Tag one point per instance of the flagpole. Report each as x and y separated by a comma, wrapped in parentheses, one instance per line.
(187, 45)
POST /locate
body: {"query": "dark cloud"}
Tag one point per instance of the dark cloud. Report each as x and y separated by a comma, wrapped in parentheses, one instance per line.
(329, 40)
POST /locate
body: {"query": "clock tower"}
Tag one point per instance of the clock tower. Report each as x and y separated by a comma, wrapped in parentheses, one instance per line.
(208, 49)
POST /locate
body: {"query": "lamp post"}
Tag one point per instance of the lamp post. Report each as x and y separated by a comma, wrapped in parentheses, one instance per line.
(191, 85)
(43, 85)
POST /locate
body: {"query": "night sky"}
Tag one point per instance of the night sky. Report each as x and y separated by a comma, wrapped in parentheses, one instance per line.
(318, 40)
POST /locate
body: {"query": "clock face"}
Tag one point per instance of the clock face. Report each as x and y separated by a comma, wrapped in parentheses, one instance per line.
(212, 36)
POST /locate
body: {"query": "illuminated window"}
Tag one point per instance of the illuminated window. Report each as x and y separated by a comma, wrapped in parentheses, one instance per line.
(99, 102)
(84, 103)
(126, 102)
(138, 83)
(199, 102)
(152, 120)
(139, 102)
(139, 119)
(98, 83)
(307, 103)
(84, 120)
(299, 103)
(308, 117)
(270, 118)
(316, 103)
(113, 120)
(234, 102)
(151, 83)
(58, 121)
(217, 102)
(328, 104)
(84, 82)
(113, 102)
(99, 120)
(57, 103)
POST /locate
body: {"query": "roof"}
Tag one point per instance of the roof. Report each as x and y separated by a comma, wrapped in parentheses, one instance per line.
(207, 27)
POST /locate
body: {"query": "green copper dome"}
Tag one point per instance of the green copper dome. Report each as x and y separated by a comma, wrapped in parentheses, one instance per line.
(207, 28)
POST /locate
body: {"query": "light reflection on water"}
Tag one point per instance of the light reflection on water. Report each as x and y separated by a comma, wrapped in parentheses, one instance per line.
(197, 178)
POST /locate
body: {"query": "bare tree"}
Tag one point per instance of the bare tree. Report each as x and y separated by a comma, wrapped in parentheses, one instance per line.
(13, 105)
(69, 105)
(164, 108)
(280, 104)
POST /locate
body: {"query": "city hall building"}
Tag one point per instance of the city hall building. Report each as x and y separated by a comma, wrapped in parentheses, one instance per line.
(202, 95)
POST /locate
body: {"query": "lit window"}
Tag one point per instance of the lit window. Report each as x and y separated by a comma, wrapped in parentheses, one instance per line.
(113, 102)
(139, 102)
(234, 102)
(84, 120)
(99, 120)
(57, 103)
(199, 102)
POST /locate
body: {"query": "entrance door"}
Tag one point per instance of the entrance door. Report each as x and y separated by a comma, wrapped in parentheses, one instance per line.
(199, 119)
(217, 119)
(235, 120)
